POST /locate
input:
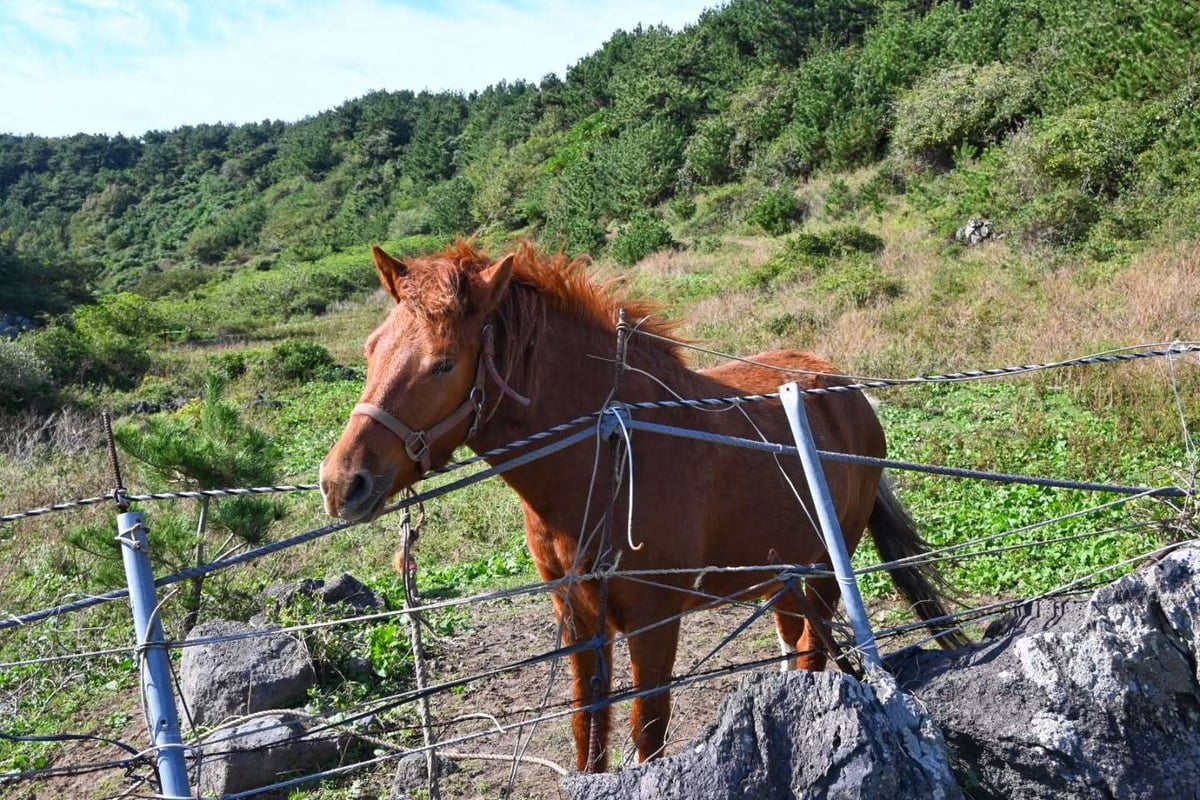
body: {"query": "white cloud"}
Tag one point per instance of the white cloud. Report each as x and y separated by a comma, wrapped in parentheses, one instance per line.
(133, 68)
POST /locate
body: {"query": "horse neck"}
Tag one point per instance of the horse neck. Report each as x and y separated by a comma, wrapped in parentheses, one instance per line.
(573, 376)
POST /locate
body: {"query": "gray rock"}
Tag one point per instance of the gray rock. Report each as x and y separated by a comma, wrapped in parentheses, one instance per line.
(13, 325)
(976, 231)
(1095, 699)
(412, 773)
(281, 595)
(798, 734)
(345, 588)
(234, 678)
(262, 751)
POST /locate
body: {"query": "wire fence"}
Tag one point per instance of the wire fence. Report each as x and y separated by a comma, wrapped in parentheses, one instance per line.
(357, 719)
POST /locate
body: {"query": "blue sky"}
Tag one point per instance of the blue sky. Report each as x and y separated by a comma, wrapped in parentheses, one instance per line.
(109, 66)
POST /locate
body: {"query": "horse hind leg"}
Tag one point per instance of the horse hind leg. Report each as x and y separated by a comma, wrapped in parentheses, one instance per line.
(789, 627)
(652, 659)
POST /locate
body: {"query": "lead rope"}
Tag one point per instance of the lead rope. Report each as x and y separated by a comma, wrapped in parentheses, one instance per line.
(408, 568)
(489, 363)
(601, 678)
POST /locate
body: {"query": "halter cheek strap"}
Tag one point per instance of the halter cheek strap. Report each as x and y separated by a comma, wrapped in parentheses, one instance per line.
(418, 444)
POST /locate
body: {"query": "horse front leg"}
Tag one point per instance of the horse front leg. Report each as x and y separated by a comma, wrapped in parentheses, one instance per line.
(652, 657)
(591, 670)
(823, 595)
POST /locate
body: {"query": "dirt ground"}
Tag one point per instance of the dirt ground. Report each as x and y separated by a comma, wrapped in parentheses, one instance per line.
(498, 634)
(523, 627)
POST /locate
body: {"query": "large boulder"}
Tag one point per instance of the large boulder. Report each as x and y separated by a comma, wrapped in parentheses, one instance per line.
(1095, 699)
(797, 734)
(235, 677)
(264, 750)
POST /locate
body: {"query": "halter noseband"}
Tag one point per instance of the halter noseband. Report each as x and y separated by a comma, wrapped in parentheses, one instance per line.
(418, 444)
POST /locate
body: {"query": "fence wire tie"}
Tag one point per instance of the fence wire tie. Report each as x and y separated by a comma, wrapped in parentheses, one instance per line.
(701, 575)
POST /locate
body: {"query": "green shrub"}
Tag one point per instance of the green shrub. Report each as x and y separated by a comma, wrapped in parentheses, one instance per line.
(810, 255)
(124, 313)
(822, 92)
(24, 379)
(792, 324)
(962, 104)
(299, 361)
(1093, 147)
(450, 206)
(1060, 217)
(645, 234)
(204, 445)
(720, 207)
(641, 166)
(248, 300)
(172, 282)
(574, 203)
(780, 268)
(62, 350)
(777, 211)
(706, 155)
(860, 283)
(683, 207)
(1068, 172)
(839, 241)
(841, 200)
(239, 227)
(230, 365)
(91, 351)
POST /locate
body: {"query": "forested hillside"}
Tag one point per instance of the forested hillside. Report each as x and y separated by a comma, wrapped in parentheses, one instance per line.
(1069, 125)
(1100, 92)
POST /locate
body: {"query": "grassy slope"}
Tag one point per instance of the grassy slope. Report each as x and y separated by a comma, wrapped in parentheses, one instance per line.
(949, 308)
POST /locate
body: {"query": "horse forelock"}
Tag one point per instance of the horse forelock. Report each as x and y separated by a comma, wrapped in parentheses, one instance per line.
(438, 290)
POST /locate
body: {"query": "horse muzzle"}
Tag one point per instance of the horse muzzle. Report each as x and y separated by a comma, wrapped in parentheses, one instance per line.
(357, 495)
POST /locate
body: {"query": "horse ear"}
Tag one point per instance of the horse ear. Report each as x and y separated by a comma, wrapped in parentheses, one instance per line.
(489, 287)
(392, 273)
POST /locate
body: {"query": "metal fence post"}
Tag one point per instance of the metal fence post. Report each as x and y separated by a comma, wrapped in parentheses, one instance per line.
(835, 544)
(154, 667)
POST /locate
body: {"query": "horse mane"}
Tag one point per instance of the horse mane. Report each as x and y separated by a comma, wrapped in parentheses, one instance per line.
(560, 281)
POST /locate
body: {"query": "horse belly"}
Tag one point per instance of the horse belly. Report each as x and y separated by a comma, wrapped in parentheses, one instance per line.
(758, 518)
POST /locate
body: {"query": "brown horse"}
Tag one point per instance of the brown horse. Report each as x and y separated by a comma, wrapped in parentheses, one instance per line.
(484, 354)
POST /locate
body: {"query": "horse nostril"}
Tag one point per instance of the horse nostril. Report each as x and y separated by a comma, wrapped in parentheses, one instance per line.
(359, 489)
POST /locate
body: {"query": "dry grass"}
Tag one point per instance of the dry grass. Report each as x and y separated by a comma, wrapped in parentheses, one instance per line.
(993, 305)
(1155, 299)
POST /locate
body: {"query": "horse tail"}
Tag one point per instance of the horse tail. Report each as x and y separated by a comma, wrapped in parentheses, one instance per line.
(896, 537)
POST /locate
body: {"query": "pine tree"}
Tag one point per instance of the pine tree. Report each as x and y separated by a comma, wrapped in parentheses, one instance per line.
(205, 445)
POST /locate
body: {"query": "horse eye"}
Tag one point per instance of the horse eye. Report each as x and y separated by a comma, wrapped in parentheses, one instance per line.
(446, 365)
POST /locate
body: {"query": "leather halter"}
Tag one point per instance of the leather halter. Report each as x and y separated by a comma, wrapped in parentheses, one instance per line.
(418, 444)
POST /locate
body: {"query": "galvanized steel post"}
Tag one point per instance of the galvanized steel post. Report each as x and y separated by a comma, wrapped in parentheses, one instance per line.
(835, 544)
(155, 667)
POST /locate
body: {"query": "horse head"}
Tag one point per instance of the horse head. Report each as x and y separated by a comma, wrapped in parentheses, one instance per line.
(427, 365)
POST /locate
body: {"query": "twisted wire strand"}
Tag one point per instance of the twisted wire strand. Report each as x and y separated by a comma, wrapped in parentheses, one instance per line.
(1116, 355)
(308, 536)
(862, 384)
